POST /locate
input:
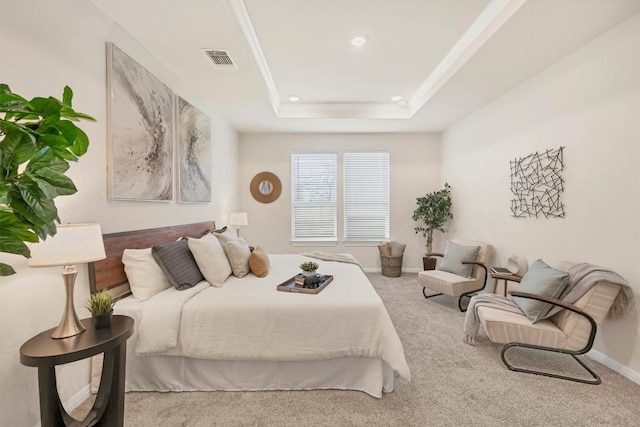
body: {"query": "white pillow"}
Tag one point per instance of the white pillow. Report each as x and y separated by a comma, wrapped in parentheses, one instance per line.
(146, 278)
(238, 254)
(225, 236)
(211, 259)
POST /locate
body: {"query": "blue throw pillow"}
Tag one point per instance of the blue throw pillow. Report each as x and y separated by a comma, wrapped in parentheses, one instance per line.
(454, 254)
(541, 279)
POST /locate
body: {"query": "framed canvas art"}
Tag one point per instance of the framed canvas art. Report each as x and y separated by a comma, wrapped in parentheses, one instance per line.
(140, 112)
(194, 153)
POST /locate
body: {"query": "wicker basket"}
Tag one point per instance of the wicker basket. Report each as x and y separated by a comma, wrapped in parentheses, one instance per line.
(391, 265)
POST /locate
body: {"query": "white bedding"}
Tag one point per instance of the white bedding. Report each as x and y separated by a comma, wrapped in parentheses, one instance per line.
(249, 320)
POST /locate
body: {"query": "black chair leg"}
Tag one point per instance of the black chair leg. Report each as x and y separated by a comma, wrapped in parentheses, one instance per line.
(429, 296)
(595, 378)
(460, 301)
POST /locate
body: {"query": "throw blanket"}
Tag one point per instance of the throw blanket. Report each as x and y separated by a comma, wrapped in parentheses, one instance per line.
(326, 256)
(248, 319)
(471, 320)
(582, 277)
(160, 319)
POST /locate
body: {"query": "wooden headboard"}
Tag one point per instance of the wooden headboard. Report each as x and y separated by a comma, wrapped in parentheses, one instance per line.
(109, 272)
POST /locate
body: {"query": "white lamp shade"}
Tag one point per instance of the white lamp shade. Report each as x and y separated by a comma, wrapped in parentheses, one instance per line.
(238, 218)
(72, 244)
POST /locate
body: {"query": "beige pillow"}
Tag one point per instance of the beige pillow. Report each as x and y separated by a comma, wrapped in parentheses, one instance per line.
(385, 249)
(211, 259)
(225, 236)
(259, 262)
(238, 254)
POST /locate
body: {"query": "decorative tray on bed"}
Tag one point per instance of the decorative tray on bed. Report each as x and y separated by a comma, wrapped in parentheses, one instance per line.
(292, 286)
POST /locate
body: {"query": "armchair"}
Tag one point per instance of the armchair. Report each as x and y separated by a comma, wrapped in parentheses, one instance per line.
(455, 285)
(570, 331)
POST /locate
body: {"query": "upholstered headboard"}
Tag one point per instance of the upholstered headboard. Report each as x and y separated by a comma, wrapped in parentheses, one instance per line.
(109, 272)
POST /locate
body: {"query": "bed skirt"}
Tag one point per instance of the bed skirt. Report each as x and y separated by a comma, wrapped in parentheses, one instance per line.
(176, 374)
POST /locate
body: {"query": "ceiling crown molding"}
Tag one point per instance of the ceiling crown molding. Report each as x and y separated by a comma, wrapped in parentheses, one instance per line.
(490, 20)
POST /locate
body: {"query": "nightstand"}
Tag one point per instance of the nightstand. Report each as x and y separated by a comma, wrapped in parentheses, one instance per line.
(44, 353)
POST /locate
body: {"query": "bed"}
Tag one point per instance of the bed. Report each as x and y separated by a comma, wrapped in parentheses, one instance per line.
(246, 335)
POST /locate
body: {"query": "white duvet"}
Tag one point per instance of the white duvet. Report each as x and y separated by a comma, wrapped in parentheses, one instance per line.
(248, 319)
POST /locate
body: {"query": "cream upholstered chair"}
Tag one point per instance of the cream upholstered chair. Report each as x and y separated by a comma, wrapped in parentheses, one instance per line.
(455, 285)
(570, 331)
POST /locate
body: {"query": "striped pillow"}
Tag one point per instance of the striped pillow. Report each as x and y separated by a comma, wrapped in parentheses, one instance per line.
(178, 264)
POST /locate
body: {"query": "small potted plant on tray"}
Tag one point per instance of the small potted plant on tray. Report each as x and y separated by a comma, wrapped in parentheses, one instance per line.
(309, 268)
(101, 307)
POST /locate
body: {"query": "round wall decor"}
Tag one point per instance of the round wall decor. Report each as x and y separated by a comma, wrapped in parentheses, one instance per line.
(265, 187)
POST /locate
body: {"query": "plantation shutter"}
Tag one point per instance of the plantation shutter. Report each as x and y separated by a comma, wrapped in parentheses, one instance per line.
(366, 196)
(313, 197)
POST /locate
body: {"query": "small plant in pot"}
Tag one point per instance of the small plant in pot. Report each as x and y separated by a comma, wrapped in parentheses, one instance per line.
(101, 307)
(309, 268)
(432, 213)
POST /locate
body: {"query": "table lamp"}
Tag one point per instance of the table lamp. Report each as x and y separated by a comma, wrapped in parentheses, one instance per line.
(72, 244)
(238, 219)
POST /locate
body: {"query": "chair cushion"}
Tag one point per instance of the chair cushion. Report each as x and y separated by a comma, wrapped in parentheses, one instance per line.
(454, 254)
(504, 327)
(447, 283)
(541, 279)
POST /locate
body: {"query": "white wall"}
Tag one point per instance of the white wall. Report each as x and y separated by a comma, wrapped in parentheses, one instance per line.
(589, 103)
(45, 46)
(414, 169)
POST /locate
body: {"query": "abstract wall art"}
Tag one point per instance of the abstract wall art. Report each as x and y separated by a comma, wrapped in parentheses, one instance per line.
(537, 185)
(140, 111)
(194, 153)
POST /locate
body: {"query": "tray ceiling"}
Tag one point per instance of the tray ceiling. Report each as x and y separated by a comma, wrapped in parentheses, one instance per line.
(444, 58)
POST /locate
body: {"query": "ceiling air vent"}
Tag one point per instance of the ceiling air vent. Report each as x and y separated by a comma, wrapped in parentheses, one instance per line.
(221, 59)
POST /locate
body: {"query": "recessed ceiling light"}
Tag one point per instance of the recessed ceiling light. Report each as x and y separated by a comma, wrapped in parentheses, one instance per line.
(294, 98)
(396, 98)
(359, 39)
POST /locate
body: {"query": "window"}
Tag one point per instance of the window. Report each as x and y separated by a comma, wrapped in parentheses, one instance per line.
(313, 197)
(366, 196)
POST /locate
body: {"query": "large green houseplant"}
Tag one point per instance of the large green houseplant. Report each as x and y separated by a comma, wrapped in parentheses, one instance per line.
(38, 139)
(432, 213)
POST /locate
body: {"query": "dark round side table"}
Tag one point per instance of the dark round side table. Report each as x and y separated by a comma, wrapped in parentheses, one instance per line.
(44, 353)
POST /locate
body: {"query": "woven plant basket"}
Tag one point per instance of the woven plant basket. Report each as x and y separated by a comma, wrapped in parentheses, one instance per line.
(391, 265)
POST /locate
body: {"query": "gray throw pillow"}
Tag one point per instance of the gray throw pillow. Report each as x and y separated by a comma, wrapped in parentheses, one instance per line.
(178, 264)
(454, 254)
(397, 249)
(541, 279)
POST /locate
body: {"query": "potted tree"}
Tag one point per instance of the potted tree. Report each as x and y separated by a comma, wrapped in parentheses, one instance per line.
(432, 213)
(38, 139)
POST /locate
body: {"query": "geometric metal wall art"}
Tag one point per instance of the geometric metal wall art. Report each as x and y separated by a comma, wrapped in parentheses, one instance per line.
(537, 185)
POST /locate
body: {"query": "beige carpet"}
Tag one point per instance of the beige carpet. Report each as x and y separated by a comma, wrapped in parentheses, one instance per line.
(453, 384)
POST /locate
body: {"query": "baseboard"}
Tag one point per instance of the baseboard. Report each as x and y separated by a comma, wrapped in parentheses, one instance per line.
(625, 371)
(76, 400)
